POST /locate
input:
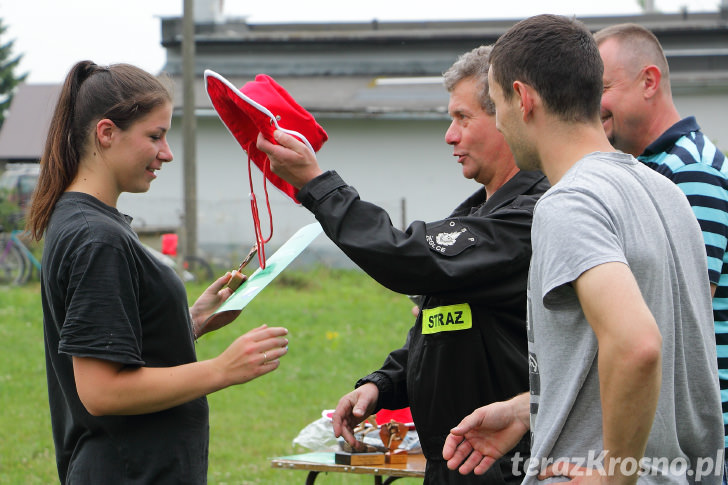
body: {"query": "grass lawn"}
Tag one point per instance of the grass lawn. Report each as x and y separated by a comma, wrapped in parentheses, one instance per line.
(341, 326)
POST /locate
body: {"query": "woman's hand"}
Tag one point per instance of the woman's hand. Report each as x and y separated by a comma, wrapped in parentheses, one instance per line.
(209, 301)
(252, 355)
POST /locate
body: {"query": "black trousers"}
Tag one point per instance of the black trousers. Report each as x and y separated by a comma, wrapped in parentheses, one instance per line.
(501, 473)
(509, 470)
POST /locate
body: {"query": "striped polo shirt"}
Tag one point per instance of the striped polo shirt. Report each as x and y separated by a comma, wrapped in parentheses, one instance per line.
(687, 157)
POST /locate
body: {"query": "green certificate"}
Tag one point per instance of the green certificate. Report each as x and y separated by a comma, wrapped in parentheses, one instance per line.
(273, 267)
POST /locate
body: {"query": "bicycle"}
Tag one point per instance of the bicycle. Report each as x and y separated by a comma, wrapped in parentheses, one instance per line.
(17, 261)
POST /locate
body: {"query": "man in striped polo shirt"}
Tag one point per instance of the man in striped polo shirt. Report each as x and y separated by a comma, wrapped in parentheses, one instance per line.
(640, 118)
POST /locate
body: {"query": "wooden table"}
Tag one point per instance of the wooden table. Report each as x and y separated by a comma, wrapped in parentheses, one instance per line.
(318, 462)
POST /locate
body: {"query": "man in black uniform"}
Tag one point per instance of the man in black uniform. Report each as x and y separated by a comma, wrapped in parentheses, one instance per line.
(468, 345)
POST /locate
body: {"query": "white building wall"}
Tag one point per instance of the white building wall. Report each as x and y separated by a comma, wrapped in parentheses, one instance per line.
(710, 110)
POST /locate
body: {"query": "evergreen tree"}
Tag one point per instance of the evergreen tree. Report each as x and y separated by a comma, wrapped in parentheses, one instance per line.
(8, 80)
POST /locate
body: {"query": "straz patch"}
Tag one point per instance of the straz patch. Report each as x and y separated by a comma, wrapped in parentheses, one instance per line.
(449, 237)
(446, 318)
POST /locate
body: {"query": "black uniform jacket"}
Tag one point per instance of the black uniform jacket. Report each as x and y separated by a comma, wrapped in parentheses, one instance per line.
(471, 269)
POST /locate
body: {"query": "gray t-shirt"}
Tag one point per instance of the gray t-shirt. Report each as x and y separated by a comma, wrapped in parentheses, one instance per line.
(610, 208)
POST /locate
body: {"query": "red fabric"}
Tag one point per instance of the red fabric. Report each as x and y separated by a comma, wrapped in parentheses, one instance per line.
(169, 244)
(245, 121)
(403, 416)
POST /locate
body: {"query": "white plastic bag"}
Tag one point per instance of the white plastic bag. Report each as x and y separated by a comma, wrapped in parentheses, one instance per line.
(318, 436)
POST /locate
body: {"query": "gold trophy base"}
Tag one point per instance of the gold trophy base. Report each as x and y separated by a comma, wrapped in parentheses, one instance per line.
(355, 459)
(396, 457)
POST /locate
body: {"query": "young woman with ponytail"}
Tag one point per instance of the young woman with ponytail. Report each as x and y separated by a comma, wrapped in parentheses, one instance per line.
(126, 392)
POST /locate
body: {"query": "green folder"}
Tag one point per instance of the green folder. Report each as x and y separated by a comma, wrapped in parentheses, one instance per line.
(273, 267)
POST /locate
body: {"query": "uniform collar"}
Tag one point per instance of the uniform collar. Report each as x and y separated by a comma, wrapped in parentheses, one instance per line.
(521, 183)
(671, 135)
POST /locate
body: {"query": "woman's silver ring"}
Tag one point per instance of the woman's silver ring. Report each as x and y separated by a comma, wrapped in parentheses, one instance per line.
(265, 358)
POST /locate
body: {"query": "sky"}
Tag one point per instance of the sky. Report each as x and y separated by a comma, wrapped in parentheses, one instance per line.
(52, 35)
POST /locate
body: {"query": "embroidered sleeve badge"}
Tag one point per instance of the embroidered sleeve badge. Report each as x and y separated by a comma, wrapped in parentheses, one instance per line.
(449, 237)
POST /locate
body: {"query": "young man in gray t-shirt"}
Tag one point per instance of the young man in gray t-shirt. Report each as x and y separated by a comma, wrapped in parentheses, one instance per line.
(609, 208)
(623, 362)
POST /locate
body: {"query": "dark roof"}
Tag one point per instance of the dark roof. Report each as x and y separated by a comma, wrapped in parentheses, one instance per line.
(366, 69)
(26, 123)
(692, 41)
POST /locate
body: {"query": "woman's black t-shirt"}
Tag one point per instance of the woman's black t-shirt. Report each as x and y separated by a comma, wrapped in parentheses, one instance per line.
(105, 296)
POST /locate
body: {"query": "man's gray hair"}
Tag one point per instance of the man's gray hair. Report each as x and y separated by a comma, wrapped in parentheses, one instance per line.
(473, 64)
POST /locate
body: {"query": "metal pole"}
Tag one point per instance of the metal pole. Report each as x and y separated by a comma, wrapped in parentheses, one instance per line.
(403, 207)
(189, 131)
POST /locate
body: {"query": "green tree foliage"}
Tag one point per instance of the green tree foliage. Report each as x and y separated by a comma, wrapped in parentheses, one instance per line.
(8, 79)
(10, 215)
